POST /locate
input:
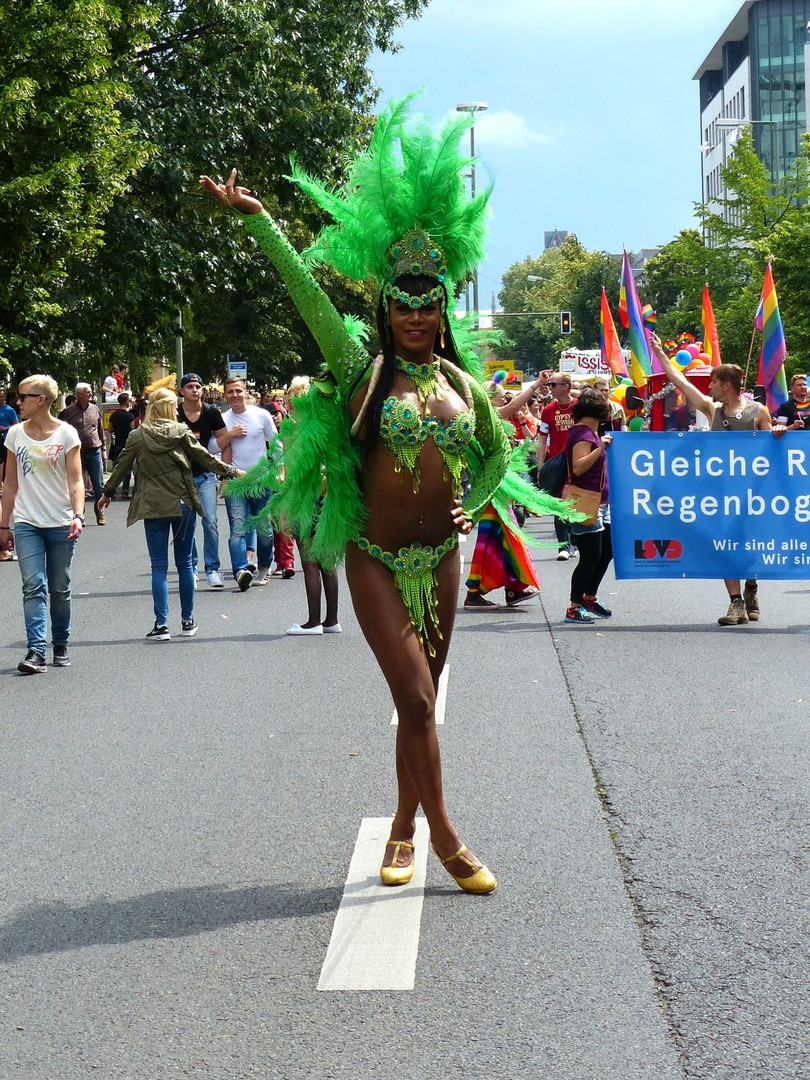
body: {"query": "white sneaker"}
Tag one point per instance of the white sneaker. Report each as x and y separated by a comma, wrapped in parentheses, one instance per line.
(563, 555)
(215, 579)
(263, 576)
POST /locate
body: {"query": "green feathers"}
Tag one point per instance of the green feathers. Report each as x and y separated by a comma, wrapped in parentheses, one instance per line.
(410, 176)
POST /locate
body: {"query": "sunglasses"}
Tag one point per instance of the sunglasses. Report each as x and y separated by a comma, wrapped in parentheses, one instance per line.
(21, 396)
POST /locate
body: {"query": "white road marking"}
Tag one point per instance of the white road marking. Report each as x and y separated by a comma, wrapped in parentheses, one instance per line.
(375, 938)
(441, 699)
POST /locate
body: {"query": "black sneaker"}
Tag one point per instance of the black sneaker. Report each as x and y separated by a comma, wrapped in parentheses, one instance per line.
(60, 656)
(159, 633)
(578, 614)
(189, 628)
(593, 607)
(33, 664)
(243, 579)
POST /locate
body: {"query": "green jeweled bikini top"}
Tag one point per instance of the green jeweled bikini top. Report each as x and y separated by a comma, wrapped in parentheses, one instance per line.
(404, 431)
(401, 425)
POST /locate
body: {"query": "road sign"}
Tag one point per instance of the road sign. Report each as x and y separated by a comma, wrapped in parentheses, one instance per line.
(237, 369)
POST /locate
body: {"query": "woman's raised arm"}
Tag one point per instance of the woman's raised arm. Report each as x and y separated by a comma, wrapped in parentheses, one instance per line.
(344, 357)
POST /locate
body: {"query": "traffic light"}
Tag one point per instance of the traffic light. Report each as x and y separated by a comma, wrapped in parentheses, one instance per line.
(565, 322)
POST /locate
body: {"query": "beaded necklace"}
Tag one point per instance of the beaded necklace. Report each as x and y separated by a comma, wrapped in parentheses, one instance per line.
(424, 377)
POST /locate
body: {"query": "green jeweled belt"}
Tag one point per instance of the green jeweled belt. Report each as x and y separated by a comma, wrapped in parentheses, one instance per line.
(414, 570)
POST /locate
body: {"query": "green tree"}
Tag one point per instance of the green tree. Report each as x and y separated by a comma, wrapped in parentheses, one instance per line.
(572, 278)
(66, 150)
(213, 85)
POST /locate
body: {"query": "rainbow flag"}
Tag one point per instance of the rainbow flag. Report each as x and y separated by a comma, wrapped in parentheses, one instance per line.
(609, 345)
(640, 367)
(771, 373)
(711, 342)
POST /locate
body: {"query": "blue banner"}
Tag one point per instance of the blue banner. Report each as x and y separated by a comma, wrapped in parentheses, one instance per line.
(710, 504)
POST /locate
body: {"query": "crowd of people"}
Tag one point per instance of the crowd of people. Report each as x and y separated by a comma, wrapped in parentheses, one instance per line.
(561, 424)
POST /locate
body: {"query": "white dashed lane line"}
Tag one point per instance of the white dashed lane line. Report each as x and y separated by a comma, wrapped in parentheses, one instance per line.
(375, 939)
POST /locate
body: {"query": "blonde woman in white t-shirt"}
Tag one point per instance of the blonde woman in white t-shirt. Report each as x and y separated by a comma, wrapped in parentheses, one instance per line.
(45, 493)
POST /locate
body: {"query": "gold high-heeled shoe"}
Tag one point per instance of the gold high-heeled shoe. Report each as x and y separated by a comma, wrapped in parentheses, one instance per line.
(398, 875)
(481, 882)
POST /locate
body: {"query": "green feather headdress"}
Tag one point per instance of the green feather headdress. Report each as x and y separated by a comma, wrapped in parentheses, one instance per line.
(404, 208)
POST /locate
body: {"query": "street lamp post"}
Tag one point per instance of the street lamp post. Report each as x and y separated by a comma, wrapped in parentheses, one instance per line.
(473, 107)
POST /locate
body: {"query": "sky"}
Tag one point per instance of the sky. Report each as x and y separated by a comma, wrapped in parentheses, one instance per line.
(593, 123)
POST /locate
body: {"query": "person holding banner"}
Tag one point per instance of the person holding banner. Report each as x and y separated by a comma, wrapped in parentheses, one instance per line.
(587, 467)
(726, 410)
(795, 413)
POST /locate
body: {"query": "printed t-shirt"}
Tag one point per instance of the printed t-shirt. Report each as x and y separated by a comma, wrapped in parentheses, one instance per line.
(43, 498)
(556, 422)
(794, 410)
(209, 422)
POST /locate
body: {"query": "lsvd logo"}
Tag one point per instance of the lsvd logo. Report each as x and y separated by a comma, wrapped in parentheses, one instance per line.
(658, 549)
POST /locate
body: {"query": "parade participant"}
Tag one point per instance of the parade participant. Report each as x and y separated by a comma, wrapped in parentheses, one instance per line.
(44, 491)
(8, 418)
(617, 421)
(315, 575)
(250, 429)
(204, 421)
(555, 423)
(795, 413)
(587, 466)
(86, 418)
(394, 434)
(122, 421)
(165, 495)
(500, 558)
(726, 410)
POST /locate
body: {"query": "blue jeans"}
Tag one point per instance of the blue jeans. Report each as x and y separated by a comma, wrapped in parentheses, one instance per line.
(157, 541)
(45, 556)
(240, 508)
(207, 490)
(91, 460)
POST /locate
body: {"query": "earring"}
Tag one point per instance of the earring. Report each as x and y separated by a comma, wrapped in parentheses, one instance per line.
(441, 335)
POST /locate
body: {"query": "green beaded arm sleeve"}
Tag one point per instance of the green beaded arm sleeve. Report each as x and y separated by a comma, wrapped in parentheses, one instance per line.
(344, 357)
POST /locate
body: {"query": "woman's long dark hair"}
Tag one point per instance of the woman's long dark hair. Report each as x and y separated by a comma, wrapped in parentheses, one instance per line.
(415, 285)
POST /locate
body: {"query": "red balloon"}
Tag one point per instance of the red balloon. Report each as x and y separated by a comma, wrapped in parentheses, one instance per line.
(704, 359)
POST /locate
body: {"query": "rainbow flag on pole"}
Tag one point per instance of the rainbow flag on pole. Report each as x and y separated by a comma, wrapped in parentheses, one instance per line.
(772, 358)
(609, 345)
(640, 367)
(711, 342)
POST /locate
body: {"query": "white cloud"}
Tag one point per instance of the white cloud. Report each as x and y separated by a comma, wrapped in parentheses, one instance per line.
(502, 128)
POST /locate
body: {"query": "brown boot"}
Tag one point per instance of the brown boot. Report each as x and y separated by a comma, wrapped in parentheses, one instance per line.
(736, 615)
(751, 601)
(100, 519)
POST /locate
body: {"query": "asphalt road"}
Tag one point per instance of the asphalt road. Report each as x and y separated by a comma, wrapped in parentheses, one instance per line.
(178, 822)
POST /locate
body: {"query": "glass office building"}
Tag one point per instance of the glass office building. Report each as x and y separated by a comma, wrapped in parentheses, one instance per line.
(754, 76)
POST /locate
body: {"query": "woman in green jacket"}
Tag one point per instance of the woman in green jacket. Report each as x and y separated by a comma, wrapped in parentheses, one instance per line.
(164, 497)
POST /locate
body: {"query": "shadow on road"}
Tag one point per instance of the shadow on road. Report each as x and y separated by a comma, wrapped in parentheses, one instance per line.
(60, 927)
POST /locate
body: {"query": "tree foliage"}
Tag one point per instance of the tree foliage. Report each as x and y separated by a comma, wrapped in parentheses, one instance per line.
(65, 148)
(572, 281)
(202, 86)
